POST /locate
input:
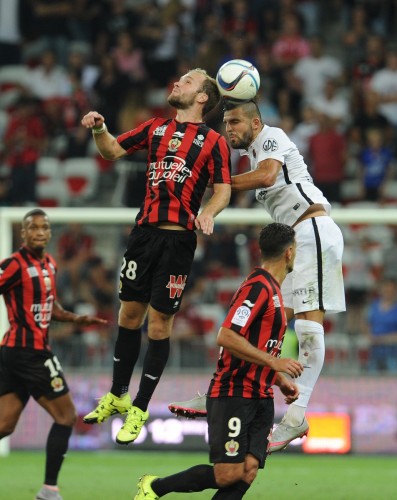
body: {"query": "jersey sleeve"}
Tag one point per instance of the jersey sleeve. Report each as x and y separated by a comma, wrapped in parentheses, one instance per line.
(220, 165)
(10, 274)
(249, 304)
(276, 145)
(136, 139)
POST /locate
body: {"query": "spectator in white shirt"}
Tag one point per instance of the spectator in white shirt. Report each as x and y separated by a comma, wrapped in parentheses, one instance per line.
(313, 71)
(384, 84)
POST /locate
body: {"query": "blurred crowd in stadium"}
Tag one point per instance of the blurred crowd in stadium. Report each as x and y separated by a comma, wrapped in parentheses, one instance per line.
(328, 78)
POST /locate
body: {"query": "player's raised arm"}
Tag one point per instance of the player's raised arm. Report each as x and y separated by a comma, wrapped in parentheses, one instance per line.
(106, 143)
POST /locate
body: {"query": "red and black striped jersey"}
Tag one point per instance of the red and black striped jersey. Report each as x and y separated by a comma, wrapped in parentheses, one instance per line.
(27, 284)
(257, 313)
(182, 159)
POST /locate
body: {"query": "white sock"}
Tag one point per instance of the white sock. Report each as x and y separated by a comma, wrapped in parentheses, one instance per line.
(311, 354)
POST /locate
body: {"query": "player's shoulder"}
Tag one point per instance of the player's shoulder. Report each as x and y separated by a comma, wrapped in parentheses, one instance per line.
(14, 259)
(269, 131)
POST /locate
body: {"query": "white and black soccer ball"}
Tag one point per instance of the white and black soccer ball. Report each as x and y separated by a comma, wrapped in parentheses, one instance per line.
(238, 79)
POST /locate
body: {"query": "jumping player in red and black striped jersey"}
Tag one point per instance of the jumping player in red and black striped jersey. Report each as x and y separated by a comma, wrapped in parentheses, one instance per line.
(28, 367)
(240, 404)
(184, 156)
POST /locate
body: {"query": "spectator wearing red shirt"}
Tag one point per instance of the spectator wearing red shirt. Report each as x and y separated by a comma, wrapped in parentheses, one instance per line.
(24, 141)
(327, 150)
(290, 46)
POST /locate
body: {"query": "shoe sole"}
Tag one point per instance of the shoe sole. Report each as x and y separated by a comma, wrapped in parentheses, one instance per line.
(273, 447)
(125, 442)
(179, 411)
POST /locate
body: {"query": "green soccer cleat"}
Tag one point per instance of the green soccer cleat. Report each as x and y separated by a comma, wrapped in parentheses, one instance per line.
(145, 491)
(132, 425)
(108, 405)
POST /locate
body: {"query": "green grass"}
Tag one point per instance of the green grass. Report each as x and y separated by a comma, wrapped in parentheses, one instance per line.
(113, 475)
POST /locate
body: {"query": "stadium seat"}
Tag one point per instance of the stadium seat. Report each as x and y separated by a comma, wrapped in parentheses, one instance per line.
(12, 78)
(48, 168)
(81, 178)
(52, 193)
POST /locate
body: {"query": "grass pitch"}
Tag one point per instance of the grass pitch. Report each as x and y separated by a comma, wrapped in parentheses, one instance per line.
(113, 476)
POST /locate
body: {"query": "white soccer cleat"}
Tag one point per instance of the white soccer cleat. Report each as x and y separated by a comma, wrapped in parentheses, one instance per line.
(283, 434)
(194, 408)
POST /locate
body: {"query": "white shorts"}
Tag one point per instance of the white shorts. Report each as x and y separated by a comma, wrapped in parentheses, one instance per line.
(316, 283)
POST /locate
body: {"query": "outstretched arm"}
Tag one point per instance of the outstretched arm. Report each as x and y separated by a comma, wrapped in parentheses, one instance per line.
(218, 201)
(60, 314)
(107, 145)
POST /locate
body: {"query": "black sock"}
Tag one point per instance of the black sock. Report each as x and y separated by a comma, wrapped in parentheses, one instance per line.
(233, 492)
(153, 366)
(126, 352)
(197, 478)
(56, 448)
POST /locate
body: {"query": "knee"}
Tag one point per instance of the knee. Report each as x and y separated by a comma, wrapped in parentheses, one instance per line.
(128, 318)
(67, 419)
(226, 477)
(159, 327)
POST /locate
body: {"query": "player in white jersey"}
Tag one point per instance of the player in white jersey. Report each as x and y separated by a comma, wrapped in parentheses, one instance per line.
(285, 188)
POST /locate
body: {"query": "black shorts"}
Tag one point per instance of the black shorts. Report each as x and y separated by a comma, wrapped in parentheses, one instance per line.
(237, 426)
(31, 372)
(156, 266)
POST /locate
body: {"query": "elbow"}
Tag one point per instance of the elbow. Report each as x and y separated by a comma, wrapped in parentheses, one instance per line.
(268, 182)
(108, 155)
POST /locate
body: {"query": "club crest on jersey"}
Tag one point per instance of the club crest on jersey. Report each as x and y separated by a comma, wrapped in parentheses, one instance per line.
(232, 447)
(241, 316)
(176, 285)
(174, 144)
(270, 145)
(57, 384)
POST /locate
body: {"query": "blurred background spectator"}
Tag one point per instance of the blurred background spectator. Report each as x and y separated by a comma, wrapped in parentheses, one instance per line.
(382, 328)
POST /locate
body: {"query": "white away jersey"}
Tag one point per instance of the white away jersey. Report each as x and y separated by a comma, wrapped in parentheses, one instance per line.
(294, 191)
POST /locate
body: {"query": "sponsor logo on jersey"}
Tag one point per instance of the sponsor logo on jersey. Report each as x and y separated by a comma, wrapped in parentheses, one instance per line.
(273, 345)
(295, 207)
(270, 145)
(57, 384)
(33, 272)
(176, 285)
(276, 301)
(171, 168)
(300, 292)
(160, 130)
(232, 447)
(199, 141)
(241, 316)
(42, 312)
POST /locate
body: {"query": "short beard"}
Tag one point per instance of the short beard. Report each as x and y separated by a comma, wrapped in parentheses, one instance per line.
(176, 102)
(244, 142)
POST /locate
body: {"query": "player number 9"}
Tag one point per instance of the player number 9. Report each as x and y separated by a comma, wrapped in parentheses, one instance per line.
(234, 425)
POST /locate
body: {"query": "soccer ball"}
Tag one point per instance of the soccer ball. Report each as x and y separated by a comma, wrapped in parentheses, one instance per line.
(238, 79)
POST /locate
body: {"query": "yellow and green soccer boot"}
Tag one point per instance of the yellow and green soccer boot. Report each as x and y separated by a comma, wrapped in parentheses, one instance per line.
(108, 405)
(132, 425)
